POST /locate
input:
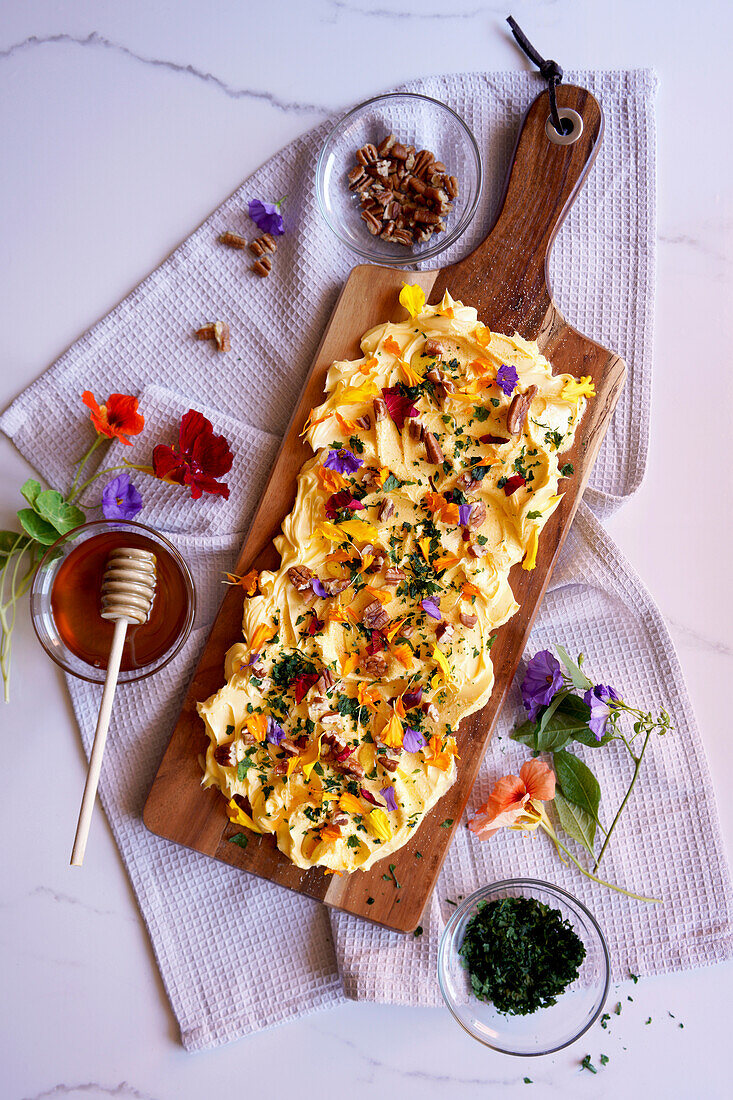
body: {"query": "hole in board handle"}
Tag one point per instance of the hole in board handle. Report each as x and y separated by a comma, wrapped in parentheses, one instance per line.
(571, 123)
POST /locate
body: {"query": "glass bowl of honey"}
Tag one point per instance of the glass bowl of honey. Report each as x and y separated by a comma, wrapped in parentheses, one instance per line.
(66, 595)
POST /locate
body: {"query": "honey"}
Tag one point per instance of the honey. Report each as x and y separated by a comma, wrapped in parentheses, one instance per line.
(75, 603)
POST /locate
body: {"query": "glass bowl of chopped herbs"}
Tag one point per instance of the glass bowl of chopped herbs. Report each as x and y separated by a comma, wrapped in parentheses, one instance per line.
(523, 967)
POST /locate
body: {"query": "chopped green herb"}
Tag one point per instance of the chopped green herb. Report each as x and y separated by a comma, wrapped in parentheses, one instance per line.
(617, 1009)
(604, 1059)
(604, 1020)
(634, 977)
(447, 823)
(528, 1080)
(243, 767)
(241, 839)
(229, 731)
(587, 1064)
(534, 515)
(567, 469)
(521, 954)
(481, 413)
(648, 1021)
(370, 901)
(495, 402)
(418, 931)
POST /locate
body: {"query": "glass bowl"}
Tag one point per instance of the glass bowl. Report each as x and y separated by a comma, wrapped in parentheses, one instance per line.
(415, 120)
(176, 581)
(547, 1029)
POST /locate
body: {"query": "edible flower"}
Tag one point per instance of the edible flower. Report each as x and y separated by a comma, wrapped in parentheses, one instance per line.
(340, 500)
(600, 699)
(249, 582)
(378, 824)
(506, 379)
(468, 590)
(498, 439)
(442, 664)
(412, 297)
(368, 796)
(302, 684)
(200, 459)
(388, 795)
(516, 801)
(573, 389)
(343, 461)
(367, 697)
(120, 499)
(314, 624)
(413, 740)
(440, 757)
(348, 427)
(404, 654)
(411, 376)
(350, 804)
(530, 557)
(482, 335)
(257, 724)
(399, 405)
(118, 418)
(350, 663)
(391, 735)
(445, 561)
(267, 216)
(464, 514)
(238, 816)
(275, 732)
(319, 588)
(542, 680)
(310, 758)
(262, 634)
(357, 395)
(391, 346)
(394, 628)
(430, 607)
(516, 481)
(331, 480)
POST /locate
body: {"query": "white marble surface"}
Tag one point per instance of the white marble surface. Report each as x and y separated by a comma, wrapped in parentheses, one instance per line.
(122, 125)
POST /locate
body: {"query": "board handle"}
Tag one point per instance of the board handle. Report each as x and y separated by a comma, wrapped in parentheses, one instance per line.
(506, 274)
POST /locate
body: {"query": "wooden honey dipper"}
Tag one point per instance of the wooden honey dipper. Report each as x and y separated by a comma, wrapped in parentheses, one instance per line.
(128, 590)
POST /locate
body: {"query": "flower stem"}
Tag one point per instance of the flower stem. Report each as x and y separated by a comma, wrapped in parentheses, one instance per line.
(638, 759)
(82, 463)
(94, 477)
(594, 878)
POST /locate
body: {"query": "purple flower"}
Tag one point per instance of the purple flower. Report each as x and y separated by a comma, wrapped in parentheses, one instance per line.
(120, 499)
(506, 379)
(343, 461)
(319, 589)
(598, 699)
(275, 732)
(267, 217)
(464, 514)
(412, 740)
(387, 794)
(431, 607)
(542, 680)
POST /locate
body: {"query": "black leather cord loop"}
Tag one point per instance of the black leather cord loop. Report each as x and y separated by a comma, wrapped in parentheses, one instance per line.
(550, 70)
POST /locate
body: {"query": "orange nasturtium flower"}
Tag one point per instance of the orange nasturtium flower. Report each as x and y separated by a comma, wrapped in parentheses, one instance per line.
(249, 582)
(440, 757)
(517, 801)
(118, 418)
(391, 346)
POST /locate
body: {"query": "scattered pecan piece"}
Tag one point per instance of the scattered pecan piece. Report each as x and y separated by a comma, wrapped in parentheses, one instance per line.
(262, 267)
(415, 429)
(468, 620)
(226, 755)
(364, 422)
(433, 346)
(336, 586)
(374, 664)
(374, 617)
(339, 818)
(432, 450)
(379, 560)
(381, 411)
(467, 481)
(300, 576)
(517, 411)
(394, 576)
(233, 240)
(430, 711)
(263, 244)
(324, 683)
(389, 763)
(288, 747)
(444, 630)
(386, 508)
(218, 331)
(477, 514)
(242, 802)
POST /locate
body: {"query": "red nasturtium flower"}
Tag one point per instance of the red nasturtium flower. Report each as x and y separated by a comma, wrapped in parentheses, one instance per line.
(118, 418)
(200, 458)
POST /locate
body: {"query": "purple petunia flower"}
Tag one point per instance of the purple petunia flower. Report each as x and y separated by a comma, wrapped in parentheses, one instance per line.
(120, 499)
(431, 607)
(343, 461)
(387, 794)
(506, 379)
(598, 699)
(319, 589)
(275, 732)
(464, 514)
(412, 740)
(542, 680)
(267, 217)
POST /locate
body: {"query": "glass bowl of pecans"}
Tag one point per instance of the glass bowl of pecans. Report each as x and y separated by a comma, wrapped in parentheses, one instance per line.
(398, 179)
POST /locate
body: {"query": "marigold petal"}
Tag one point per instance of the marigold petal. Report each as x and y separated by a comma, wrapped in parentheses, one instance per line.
(412, 297)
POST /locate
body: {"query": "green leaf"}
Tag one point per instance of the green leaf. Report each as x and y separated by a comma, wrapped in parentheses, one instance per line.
(36, 527)
(240, 839)
(29, 490)
(13, 541)
(588, 738)
(52, 507)
(580, 680)
(560, 730)
(550, 710)
(576, 822)
(577, 783)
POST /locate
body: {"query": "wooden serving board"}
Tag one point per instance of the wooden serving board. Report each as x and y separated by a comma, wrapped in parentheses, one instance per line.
(505, 279)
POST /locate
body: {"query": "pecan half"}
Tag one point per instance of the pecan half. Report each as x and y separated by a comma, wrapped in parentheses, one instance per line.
(389, 763)
(373, 223)
(381, 412)
(468, 620)
(233, 240)
(226, 755)
(374, 617)
(335, 586)
(415, 429)
(288, 747)
(386, 508)
(433, 346)
(367, 154)
(262, 267)
(517, 411)
(263, 244)
(374, 664)
(394, 576)
(477, 514)
(300, 576)
(364, 422)
(325, 683)
(432, 449)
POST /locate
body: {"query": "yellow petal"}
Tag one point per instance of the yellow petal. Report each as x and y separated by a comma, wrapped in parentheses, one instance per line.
(357, 395)
(412, 297)
(392, 733)
(482, 335)
(530, 558)
(442, 664)
(359, 529)
(573, 389)
(349, 664)
(238, 817)
(310, 758)
(261, 635)
(257, 726)
(378, 824)
(350, 804)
